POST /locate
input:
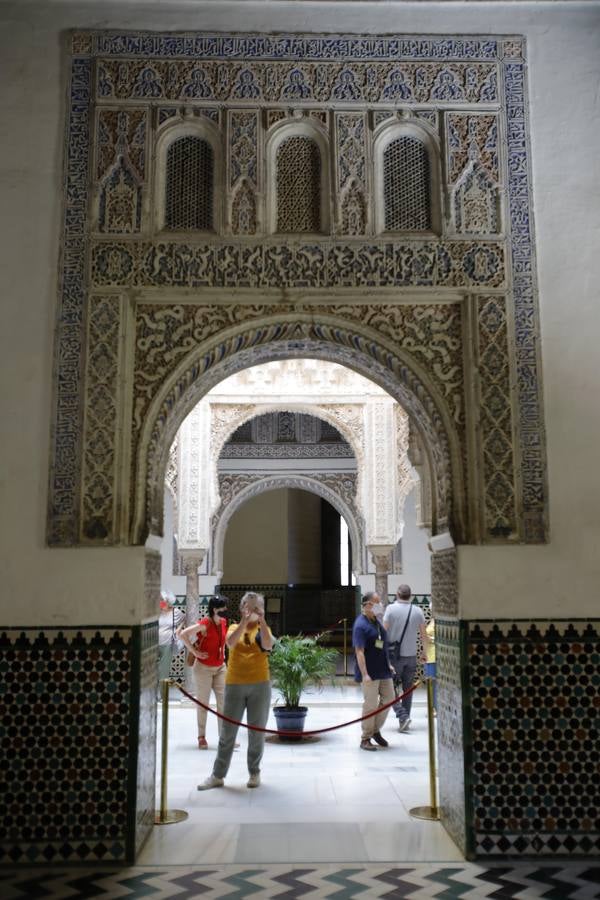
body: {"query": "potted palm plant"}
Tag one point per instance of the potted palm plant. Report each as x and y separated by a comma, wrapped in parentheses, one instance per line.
(295, 663)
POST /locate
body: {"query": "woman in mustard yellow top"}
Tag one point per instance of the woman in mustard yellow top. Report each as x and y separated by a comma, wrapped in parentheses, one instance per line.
(247, 688)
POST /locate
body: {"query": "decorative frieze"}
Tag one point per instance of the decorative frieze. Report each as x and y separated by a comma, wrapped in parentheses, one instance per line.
(468, 264)
(298, 82)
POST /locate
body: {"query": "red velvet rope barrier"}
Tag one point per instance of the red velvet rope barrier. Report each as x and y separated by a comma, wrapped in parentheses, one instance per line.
(295, 733)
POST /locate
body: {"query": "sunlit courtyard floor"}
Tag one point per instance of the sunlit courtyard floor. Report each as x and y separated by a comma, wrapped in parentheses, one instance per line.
(323, 801)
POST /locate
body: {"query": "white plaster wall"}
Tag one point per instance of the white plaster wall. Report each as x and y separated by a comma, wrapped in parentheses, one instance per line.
(256, 542)
(168, 581)
(416, 558)
(304, 538)
(92, 586)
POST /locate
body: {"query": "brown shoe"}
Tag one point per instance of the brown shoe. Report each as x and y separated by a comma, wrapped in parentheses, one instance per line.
(202, 743)
(367, 744)
(380, 740)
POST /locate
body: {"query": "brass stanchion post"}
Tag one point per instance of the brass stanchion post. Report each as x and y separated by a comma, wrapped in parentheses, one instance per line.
(345, 621)
(430, 812)
(165, 816)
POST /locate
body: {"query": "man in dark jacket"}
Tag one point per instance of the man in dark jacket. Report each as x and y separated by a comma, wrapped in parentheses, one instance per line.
(373, 669)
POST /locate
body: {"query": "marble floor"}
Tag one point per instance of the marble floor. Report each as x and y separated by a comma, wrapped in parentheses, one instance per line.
(323, 801)
(329, 821)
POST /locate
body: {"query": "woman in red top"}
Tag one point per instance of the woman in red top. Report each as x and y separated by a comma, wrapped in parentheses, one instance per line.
(206, 640)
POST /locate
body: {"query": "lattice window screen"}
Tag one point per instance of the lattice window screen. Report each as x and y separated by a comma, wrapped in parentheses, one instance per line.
(298, 185)
(190, 177)
(406, 185)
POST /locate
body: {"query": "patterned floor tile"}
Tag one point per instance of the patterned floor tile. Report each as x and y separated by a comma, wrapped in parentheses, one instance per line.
(469, 881)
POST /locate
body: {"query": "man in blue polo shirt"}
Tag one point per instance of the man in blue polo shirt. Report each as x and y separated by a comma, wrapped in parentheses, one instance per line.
(373, 669)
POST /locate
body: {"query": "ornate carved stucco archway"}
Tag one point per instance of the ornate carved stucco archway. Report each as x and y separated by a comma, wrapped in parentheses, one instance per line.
(346, 417)
(324, 487)
(148, 322)
(286, 336)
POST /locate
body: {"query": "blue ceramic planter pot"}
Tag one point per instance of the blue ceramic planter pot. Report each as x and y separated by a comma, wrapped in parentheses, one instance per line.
(290, 719)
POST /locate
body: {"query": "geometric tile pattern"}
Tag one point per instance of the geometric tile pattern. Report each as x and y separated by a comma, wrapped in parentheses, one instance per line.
(66, 737)
(534, 700)
(469, 881)
(450, 729)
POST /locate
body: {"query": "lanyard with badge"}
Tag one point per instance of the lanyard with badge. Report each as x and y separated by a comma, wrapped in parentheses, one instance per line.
(379, 639)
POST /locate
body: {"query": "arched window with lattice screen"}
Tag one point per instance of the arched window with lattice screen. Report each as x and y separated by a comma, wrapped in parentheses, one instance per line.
(189, 189)
(298, 185)
(406, 185)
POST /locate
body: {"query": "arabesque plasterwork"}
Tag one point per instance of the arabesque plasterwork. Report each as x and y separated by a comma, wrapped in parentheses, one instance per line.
(175, 302)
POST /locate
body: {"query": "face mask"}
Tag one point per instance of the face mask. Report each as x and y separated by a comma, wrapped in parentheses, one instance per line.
(377, 609)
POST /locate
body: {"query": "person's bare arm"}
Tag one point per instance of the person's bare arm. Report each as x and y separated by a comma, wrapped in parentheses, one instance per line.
(232, 639)
(361, 662)
(266, 638)
(189, 634)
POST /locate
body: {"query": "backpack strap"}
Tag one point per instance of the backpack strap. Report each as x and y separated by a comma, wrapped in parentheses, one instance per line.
(399, 643)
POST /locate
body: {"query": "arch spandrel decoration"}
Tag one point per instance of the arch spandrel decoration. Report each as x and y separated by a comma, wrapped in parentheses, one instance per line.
(325, 485)
(465, 90)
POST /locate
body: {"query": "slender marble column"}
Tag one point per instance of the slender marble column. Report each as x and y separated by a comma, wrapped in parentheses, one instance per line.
(192, 560)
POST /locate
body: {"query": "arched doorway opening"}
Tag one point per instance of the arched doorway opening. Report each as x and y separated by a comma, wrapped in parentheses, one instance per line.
(435, 447)
(428, 462)
(286, 543)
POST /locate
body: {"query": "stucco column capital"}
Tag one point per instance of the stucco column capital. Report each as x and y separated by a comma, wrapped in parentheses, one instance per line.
(192, 559)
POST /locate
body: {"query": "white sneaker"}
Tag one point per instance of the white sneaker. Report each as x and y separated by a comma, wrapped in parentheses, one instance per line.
(211, 782)
(254, 780)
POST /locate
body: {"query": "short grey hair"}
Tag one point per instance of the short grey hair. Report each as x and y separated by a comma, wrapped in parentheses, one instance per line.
(252, 597)
(404, 591)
